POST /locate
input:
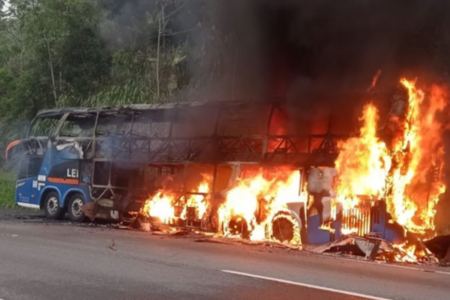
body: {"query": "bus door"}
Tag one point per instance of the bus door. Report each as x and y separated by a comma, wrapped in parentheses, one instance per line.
(29, 183)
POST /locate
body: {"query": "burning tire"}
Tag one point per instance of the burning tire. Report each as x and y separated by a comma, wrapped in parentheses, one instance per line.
(285, 228)
(237, 227)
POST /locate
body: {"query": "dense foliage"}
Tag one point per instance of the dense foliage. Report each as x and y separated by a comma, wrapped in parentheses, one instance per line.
(7, 188)
(81, 52)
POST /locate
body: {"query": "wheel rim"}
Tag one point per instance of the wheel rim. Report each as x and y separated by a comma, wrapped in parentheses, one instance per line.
(76, 206)
(52, 205)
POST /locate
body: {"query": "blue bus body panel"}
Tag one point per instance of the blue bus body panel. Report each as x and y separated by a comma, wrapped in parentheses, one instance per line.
(30, 191)
(380, 226)
(25, 194)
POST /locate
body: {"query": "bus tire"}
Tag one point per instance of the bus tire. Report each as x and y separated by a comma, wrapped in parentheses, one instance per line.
(74, 210)
(53, 210)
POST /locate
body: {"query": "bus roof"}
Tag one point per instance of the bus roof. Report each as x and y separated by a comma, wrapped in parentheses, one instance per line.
(56, 112)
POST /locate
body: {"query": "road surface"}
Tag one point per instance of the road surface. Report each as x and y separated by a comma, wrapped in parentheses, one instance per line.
(57, 260)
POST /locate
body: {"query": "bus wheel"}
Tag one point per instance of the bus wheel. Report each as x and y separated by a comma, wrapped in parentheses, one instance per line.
(52, 208)
(74, 210)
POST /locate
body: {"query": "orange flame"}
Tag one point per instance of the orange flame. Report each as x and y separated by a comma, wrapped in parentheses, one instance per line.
(397, 173)
(258, 193)
(160, 206)
(363, 162)
(254, 200)
(198, 201)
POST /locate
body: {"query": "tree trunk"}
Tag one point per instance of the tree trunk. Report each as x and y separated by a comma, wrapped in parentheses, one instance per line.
(52, 73)
(160, 20)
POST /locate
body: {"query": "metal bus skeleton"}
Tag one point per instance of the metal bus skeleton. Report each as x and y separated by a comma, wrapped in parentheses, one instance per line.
(114, 157)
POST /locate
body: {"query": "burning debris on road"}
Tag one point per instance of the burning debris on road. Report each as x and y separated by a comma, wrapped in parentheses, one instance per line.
(373, 248)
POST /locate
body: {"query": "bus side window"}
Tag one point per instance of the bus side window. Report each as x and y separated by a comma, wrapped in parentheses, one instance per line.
(30, 167)
(44, 127)
(78, 125)
(70, 129)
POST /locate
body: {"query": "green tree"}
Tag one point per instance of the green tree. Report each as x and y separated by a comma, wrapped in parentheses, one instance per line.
(53, 48)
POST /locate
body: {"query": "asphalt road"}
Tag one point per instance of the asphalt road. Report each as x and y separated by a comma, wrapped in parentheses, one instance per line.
(41, 260)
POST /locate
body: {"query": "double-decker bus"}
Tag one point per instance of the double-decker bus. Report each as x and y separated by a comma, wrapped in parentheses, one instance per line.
(105, 162)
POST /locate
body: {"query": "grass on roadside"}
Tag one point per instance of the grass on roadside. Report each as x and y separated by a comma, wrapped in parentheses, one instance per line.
(7, 187)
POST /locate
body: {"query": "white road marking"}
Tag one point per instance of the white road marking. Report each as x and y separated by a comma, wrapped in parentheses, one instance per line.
(305, 285)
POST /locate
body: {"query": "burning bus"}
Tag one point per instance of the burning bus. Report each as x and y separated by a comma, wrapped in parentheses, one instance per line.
(255, 170)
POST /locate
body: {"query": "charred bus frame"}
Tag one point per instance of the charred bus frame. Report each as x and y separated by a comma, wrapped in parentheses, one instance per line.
(116, 141)
(166, 148)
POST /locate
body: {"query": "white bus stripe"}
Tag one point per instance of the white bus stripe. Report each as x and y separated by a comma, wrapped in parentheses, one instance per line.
(305, 285)
(28, 205)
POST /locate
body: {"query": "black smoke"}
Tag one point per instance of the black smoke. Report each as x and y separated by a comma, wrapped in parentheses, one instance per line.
(308, 50)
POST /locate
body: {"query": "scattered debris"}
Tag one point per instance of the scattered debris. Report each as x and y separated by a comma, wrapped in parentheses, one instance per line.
(369, 247)
(372, 248)
(234, 241)
(120, 226)
(29, 217)
(175, 233)
(440, 246)
(145, 226)
(90, 210)
(112, 246)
